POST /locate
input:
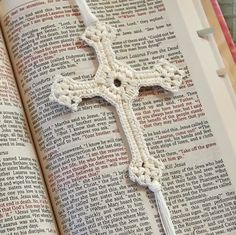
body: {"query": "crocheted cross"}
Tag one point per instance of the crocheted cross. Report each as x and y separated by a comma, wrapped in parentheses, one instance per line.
(119, 84)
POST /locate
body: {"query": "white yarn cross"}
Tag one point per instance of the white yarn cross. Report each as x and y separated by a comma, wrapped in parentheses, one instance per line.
(119, 84)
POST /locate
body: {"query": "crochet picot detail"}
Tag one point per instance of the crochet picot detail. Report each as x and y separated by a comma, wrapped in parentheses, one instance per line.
(119, 84)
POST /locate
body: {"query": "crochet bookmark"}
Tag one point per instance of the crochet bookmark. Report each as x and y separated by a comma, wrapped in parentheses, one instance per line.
(119, 84)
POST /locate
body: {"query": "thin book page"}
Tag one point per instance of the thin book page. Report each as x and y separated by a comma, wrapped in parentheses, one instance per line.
(83, 154)
(24, 206)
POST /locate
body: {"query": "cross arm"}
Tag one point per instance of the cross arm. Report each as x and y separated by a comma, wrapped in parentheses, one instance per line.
(164, 74)
(70, 93)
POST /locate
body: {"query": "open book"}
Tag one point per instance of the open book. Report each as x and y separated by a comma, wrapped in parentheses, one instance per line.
(64, 172)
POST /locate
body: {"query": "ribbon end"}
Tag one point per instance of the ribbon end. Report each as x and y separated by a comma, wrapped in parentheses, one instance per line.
(164, 213)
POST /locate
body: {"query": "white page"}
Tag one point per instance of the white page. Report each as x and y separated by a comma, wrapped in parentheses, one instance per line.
(24, 206)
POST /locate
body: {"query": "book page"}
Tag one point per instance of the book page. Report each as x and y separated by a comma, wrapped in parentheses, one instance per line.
(24, 206)
(84, 155)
